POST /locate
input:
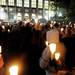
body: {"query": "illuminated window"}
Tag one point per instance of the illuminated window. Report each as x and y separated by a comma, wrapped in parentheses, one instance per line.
(2, 2)
(12, 14)
(19, 2)
(2, 13)
(40, 3)
(19, 16)
(26, 3)
(46, 4)
(33, 3)
(46, 15)
(33, 16)
(26, 15)
(11, 2)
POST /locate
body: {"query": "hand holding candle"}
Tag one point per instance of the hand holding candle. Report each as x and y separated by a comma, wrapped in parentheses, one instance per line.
(52, 47)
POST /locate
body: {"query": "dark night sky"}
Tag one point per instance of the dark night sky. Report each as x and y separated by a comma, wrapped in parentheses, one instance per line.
(66, 2)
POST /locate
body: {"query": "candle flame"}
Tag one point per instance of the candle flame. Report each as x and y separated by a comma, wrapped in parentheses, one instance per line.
(57, 56)
(52, 47)
(36, 21)
(62, 29)
(46, 43)
(13, 70)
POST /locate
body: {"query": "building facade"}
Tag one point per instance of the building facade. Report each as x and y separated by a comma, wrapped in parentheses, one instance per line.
(12, 10)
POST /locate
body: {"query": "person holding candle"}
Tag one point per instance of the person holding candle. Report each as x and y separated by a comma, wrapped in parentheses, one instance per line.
(53, 55)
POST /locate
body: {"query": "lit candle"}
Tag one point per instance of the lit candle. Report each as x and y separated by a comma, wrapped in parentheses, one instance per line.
(46, 43)
(3, 27)
(36, 21)
(13, 70)
(52, 47)
(57, 56)
(62, 29)
(51, 25)
(8, 30)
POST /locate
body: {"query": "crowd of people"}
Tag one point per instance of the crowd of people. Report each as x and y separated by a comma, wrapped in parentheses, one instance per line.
(25, 42)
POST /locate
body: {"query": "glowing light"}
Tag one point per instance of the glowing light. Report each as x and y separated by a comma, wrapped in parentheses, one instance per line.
(54, 22)
(8, 24)
(46, 17)
(8, 30)
(3, 27)
(57, 56)
(33, 16)
(13, 70)
(60, 14)
(74, 25)
(10, 9)
(19, 16)
(51, 25)
(46, 43)
(1, 9)
(39, 16)
(0, 49)
(41, 24)
(52, 47)
(26, 14)
(69, 23)
(36, 21)
(28, 20)
(51, 13)
(66, 25)
(2, 13)
(62, 29)
(51, 22)
(15, 17)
